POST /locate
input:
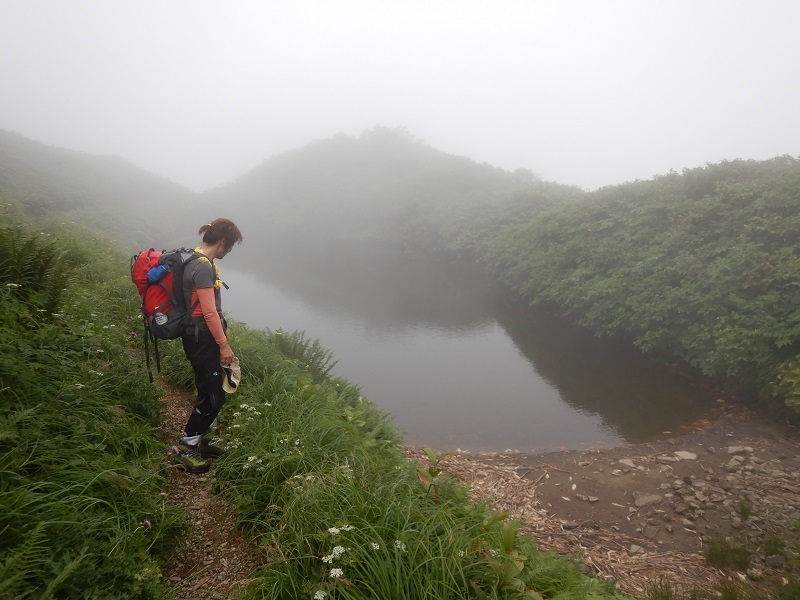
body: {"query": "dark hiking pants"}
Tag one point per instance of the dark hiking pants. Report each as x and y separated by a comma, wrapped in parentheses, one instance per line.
(203, 353)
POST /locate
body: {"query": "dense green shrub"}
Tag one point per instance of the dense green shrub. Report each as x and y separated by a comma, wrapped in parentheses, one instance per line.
(703, 265)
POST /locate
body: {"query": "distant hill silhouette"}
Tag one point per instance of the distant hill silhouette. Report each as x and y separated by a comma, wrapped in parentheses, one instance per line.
(384, 187)
(103, 192)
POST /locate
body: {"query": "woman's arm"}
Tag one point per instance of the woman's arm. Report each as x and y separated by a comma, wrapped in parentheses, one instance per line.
(208, 306)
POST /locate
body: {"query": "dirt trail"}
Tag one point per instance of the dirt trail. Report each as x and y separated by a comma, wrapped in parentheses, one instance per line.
(214, 556)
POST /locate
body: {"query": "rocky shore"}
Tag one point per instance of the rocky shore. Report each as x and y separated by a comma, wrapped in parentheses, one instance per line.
(635, 514)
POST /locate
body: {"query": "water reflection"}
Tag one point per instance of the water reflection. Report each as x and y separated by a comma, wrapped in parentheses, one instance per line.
(636, 395)
(433, 345)
(382, 288)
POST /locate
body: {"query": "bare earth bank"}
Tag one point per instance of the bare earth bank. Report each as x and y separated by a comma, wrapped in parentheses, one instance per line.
(637, 513)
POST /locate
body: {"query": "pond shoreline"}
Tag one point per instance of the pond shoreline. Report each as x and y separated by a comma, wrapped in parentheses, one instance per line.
(639, 512)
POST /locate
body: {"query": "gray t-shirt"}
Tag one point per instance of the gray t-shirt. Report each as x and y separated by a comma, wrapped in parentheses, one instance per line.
(198, 274)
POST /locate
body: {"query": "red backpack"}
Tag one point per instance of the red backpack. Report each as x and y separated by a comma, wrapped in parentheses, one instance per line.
(159, 279)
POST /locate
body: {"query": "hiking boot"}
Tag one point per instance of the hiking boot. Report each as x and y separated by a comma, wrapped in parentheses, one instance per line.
(190, 459)
(209, 446)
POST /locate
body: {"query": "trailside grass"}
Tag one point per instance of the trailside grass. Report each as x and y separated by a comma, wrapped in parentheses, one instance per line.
(82, 510)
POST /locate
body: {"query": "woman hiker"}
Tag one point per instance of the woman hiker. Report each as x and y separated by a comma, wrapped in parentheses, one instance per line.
(205, 344)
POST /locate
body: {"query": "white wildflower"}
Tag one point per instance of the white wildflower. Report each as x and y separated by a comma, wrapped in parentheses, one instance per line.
(336, 572)
(319, 595)
(375, 546)
(400, 545)
(333, 531)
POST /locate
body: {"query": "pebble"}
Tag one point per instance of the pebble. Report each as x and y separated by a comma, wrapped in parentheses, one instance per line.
(686, 455)
(644, 499)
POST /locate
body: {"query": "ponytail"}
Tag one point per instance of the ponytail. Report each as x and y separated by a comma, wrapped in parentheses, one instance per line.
(221, 229)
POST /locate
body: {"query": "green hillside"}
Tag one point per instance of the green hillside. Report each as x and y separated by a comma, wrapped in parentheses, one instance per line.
(703, 266)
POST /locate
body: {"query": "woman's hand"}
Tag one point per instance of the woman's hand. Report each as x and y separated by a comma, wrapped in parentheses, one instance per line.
(225, 354)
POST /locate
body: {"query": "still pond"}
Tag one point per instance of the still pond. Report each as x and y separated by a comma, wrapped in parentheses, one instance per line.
(456, 366)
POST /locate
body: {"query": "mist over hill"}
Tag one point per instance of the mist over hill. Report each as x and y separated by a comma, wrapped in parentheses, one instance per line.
(384, 188)
(106, 193)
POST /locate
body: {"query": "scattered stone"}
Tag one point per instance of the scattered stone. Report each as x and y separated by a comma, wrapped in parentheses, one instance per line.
(755, 574)
(738, 449)
(685, 455)
(627, 462)
(775, 561)
(681, 507)
(636, 549)
(593, 499)
(644, 499)
(569, 525)
(666, 459)
(582, 497)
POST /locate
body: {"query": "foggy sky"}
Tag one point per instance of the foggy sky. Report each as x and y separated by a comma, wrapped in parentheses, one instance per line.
(588, 93)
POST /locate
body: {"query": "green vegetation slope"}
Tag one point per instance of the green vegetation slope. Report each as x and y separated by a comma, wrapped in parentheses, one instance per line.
(703, 266)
